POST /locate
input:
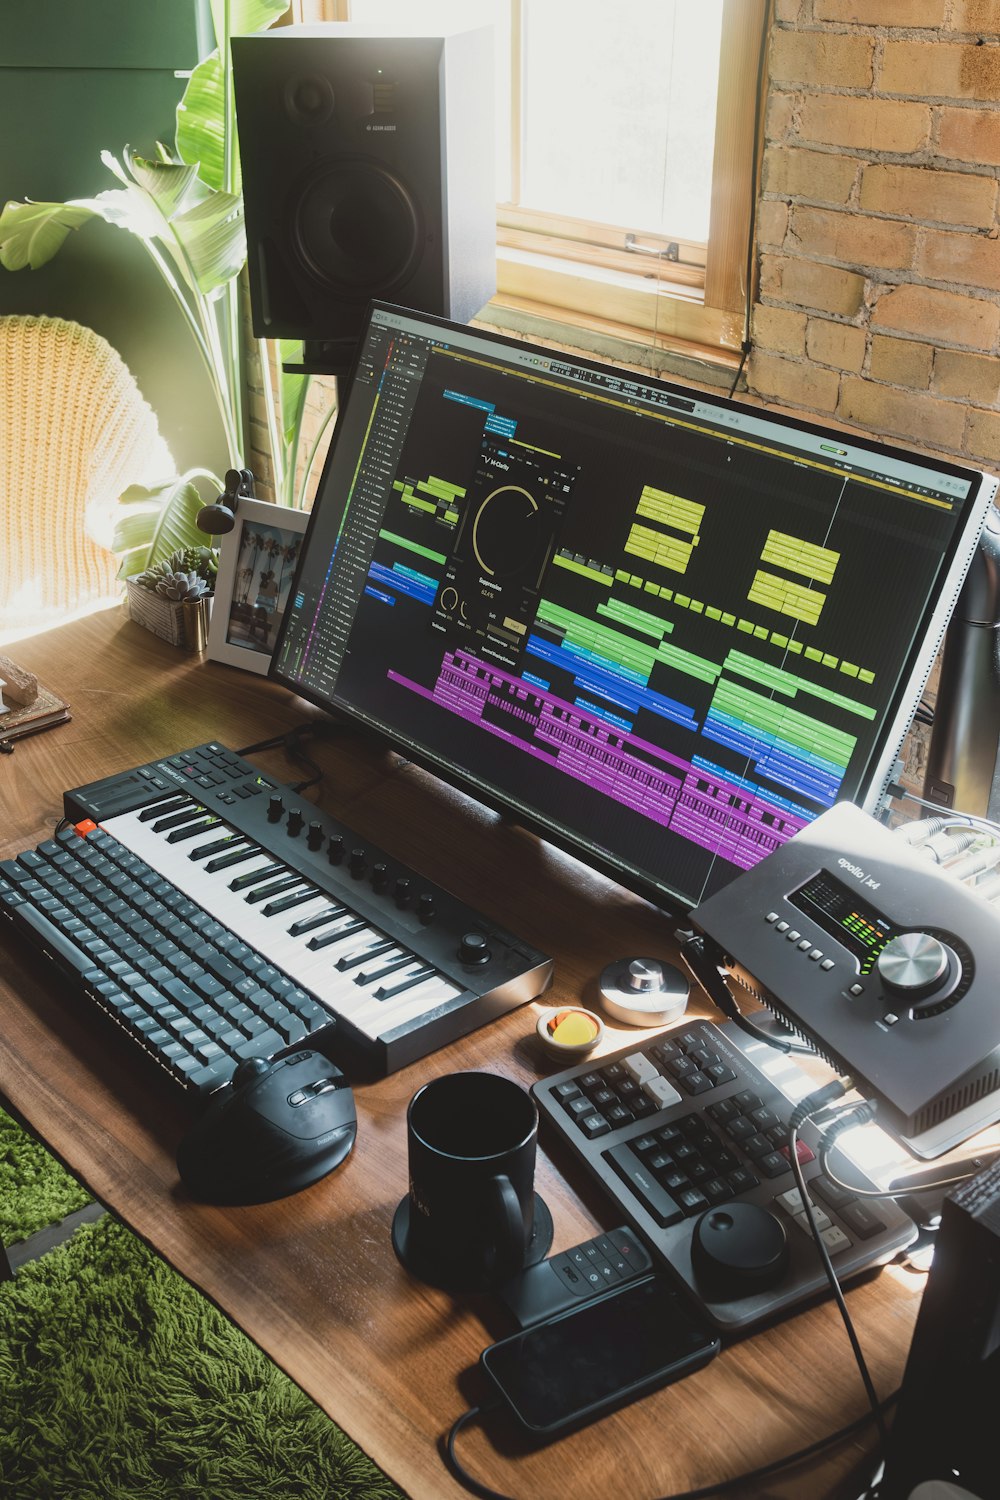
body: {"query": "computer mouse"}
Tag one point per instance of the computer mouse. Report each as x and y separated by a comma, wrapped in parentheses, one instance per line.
(276, 1128)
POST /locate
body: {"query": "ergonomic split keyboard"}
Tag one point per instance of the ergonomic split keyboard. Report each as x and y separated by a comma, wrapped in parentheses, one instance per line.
(192, 903)
(697, 1119)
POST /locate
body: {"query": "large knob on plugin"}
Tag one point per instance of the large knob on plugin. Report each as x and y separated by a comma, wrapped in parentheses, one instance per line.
(916, 964)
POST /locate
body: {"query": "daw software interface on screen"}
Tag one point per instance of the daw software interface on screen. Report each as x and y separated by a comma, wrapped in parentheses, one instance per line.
(665, 629)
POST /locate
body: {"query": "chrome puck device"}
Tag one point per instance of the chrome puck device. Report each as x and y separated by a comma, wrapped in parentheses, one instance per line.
(643, 991)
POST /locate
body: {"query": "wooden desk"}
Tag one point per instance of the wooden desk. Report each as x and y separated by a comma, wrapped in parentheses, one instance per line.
(313, 1278)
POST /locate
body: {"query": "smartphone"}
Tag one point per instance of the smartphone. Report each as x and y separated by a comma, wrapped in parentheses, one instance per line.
(598, 1356)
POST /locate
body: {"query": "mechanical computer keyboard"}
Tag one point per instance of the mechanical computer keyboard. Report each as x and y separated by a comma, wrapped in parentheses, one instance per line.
(192, 903)
(696, 1120)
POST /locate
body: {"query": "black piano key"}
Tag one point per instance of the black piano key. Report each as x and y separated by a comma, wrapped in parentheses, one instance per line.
(179, 835)
(372, 950)
(236, 857)
(273, 888)
(324, 939)
(164, 806)
(254, 877)
(387, 991)
(285, 903)
(369, 974)
(192, 810)
(317, 919)
(217, 846)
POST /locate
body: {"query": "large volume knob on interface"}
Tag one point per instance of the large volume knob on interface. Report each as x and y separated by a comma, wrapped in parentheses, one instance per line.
(915, 964)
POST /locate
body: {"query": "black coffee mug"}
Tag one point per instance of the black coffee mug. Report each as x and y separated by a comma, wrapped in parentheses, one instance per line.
(471, 1219)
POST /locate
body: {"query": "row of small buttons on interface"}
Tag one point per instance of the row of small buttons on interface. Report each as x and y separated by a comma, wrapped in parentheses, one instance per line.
(804, 945)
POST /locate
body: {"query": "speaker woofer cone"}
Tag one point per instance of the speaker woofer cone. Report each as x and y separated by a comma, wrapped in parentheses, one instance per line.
(357, 229)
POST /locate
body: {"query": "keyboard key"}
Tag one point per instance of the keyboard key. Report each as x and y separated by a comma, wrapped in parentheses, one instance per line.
(862, 1219)
(654, 1198)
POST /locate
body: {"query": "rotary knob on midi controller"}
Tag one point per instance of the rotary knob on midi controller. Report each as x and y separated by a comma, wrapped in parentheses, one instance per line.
(916, 964)
(380, 875)
(401, 890)
(425, 907)
(275, 807)
(357, 862)
(335, 848)
(314, 838)
(294, 825)
(473, 949)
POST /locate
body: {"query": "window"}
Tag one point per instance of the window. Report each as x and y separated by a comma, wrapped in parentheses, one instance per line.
(625, 138)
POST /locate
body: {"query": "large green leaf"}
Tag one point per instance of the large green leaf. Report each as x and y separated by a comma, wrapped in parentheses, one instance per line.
(155, 522)
(32, 233)
(245, 16)
(172, 185)
(294, 389)
(201, 114)
(214, 239)
(200, 124)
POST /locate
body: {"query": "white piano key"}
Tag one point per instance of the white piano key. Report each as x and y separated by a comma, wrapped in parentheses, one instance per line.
(382, 1016)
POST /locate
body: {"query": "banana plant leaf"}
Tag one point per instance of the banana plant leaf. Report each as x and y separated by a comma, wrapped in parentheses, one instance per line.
(155, 522)
(294, 389)
(202, 231)
(201, 114)
(32, 233)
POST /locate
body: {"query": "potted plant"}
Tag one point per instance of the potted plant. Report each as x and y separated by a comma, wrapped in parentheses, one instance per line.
(173, 597)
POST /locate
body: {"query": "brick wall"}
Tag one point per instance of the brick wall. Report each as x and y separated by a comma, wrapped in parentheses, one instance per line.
(879, 298)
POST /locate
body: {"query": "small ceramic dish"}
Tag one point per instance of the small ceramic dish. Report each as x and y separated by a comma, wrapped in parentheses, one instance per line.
(569, 1031)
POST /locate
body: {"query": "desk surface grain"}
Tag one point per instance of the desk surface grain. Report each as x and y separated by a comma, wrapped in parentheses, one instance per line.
(312, 1278)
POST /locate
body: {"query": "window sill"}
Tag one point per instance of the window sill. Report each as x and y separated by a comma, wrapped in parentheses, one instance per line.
(639, 312)
(559, 306)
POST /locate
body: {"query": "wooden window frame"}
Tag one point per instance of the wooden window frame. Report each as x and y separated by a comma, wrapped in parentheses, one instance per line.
(671, 294)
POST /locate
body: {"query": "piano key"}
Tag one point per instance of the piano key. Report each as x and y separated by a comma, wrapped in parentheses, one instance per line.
(163, 807)
(193, 830)
(192, 810)
(289, 881)
(382, 968)
(368, 951)
(218, 846)
(345, 928)
(286, 903)
(377, 1018)
(408, 978)
(237, 857)
(256, 874)
(316, 919)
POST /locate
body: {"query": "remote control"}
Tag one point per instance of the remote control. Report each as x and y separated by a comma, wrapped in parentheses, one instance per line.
(562, 1281)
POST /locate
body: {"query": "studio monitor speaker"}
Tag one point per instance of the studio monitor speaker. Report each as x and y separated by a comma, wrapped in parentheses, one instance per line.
(368, 172)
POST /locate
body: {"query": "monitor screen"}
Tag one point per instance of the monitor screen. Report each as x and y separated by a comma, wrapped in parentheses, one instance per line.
(662, 629)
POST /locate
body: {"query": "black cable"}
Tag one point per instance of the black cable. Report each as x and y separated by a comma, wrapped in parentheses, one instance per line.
(831, 1276)
(694, 953)
(763, 1471)
(747, 343)
(276, 739)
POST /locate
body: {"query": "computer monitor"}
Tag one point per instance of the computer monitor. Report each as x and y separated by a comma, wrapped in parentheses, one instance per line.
(662, 629)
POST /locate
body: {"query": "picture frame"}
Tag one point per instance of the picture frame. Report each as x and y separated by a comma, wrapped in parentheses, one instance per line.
(256, 566)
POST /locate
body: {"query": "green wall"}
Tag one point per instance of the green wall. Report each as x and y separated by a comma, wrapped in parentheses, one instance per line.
(78, 77)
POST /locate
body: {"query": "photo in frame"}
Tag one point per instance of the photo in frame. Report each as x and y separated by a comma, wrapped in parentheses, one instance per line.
(256, 566)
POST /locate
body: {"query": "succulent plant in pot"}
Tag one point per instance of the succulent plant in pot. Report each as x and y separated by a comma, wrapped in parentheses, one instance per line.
(171, 597)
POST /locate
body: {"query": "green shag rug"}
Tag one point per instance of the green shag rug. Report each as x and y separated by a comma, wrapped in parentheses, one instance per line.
(121, 1382)
(35, 1191)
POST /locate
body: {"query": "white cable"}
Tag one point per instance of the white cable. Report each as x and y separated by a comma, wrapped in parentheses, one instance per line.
(950, 843)
(972, 864)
